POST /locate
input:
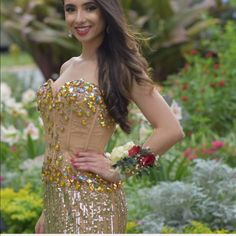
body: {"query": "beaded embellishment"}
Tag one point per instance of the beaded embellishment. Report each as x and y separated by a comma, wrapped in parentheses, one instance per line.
(72, 91)
(85, 100)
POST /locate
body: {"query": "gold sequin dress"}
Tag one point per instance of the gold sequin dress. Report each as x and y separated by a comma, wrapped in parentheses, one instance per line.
(75, 118)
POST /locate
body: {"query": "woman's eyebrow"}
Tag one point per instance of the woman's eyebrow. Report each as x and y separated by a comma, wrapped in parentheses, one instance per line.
(89, 2)
(84, 4)
(69, 5)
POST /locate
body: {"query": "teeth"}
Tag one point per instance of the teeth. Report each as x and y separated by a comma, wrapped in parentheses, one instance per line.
(83, 29)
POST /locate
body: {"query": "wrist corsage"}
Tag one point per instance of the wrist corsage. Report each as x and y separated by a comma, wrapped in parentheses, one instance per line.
(132, 159)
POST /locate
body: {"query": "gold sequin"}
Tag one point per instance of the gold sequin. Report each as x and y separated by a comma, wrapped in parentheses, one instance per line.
(91, 102)
(76, 202)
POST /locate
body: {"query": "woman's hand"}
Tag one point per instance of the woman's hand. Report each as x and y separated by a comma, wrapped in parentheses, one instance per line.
(39, 227)
(96, 163)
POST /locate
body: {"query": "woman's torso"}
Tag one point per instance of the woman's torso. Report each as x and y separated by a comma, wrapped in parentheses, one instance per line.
(75, 118)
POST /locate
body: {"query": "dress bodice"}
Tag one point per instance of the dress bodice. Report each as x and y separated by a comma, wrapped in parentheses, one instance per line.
(75, 118)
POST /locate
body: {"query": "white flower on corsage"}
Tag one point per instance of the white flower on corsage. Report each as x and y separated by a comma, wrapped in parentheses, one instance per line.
(120, 152)
(131, 159)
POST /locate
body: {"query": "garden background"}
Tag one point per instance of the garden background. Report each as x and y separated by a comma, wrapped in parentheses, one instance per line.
(191, 48)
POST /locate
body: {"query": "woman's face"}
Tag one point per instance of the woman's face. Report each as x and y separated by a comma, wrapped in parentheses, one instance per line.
(84, 20)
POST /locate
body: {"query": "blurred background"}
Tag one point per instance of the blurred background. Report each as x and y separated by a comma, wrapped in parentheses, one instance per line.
(191, 48)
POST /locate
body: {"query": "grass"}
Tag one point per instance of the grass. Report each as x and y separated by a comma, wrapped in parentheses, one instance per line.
(15, 59)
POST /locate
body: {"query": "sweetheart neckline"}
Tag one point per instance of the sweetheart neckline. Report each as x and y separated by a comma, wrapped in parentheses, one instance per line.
(56, 92)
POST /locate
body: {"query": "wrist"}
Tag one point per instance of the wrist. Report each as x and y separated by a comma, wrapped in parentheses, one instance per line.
(132, 159)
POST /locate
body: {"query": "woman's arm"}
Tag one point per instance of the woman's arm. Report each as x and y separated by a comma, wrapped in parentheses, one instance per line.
(166, 129)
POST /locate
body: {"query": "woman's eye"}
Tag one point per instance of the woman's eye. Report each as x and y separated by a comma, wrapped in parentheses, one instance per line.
(69, 9)
(91, 8)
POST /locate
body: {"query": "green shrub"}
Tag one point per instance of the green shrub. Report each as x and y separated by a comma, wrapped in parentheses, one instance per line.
(206, 86)
(194, 228)
(212, 149)
(20, 210)
(207, 196)
(131, 228)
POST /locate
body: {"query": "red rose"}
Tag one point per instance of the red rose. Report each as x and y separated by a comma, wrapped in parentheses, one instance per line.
(216, 66)
(147, 160)
(184, 98)
(185, 86)
(209, 54)
(194, 52)
(134, 150)
(221, 83)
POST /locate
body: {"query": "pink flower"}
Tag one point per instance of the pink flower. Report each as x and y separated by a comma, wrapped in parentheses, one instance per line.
(188, 152)
(208, 151)
(217, 144)
(192, 156)
(13, 148)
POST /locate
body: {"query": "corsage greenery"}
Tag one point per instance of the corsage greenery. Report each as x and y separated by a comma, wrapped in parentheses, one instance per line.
(131, 159)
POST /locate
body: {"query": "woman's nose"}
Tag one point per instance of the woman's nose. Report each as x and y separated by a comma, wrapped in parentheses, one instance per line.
(80, 17)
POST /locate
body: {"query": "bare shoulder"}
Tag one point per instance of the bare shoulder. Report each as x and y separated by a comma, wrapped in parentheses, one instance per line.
(66, 64)
(145, 87)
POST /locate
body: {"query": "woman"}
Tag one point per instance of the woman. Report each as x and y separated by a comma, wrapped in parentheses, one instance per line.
(83, 193)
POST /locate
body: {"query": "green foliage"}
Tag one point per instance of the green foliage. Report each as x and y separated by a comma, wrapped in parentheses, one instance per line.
(20, 210)
(206, 85)
(195, 228)
(131, 228)
(27, 172)
(10, 59)
(208, 195)
(168, 27)
(19, 113)
(45, 32)
(211, 148)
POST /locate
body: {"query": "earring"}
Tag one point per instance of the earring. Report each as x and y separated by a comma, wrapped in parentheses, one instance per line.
(69, 34)
(108, 29)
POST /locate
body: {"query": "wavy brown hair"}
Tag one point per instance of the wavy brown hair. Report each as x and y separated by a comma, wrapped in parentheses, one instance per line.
(120, 62)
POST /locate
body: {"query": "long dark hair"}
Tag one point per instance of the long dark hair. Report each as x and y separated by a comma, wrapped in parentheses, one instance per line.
(120, 62)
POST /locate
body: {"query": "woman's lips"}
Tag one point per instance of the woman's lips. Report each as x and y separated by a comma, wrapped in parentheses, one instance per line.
(82, 31)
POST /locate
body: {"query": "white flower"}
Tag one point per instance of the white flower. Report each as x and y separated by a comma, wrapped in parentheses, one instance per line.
(128, 145)
(120, 152)
(15, 108)
(28, 96)
(10, 102)
(5, 92)
(32, 131)
(29, 164)
(40, 120)
(10, 135)
(176, 109)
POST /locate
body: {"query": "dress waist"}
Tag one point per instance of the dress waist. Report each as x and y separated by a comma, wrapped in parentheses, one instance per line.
(58, 169)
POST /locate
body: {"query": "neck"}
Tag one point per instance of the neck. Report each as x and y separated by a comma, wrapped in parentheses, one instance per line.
(89, 49)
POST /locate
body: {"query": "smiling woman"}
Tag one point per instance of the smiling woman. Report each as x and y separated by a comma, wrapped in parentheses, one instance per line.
(83, 191)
